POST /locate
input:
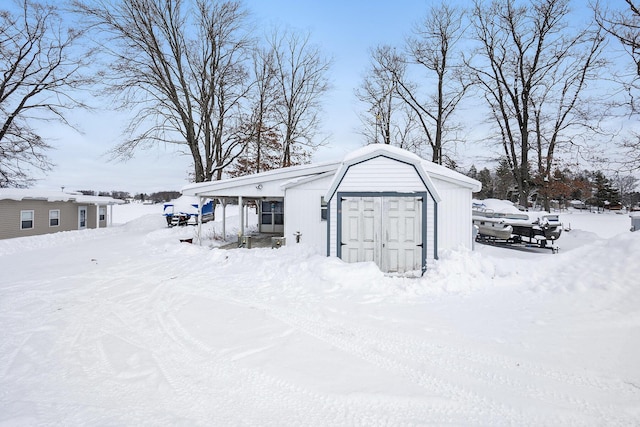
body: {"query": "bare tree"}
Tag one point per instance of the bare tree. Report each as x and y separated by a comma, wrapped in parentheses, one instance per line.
(387, 119)
(41, 68)
(181, 70)
(534, 71)
(262, 125)
(624, 25)
(301, 76)
(433, 47)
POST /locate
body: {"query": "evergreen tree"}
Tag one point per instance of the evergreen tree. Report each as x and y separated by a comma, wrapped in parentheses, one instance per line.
(504, 182)
(605, 193)
(486, 179)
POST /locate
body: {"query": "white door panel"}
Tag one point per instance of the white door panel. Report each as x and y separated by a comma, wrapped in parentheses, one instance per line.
(386, 231)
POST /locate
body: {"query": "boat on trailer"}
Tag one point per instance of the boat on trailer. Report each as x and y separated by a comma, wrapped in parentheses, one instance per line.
(500, 221)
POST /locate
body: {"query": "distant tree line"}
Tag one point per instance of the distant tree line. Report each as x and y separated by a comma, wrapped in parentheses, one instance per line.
(157, 197)
(593, 188)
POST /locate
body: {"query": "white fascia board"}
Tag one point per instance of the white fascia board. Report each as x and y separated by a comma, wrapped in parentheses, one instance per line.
(306, 179)
(214, 188)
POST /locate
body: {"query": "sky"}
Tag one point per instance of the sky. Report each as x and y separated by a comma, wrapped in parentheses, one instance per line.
(344, 30)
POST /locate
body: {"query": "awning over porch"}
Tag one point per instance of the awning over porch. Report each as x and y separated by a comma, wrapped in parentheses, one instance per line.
(264, 186)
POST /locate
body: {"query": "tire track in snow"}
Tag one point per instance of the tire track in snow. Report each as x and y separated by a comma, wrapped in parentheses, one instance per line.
(519, 378)
(340, 336)
(497, 371)
(278, 390)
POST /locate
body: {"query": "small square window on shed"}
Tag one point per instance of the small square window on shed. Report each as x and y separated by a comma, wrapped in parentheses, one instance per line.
(54, 217)
(26, 220)
(323, 209)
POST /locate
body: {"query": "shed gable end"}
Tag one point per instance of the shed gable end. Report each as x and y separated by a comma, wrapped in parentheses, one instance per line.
(381, 174)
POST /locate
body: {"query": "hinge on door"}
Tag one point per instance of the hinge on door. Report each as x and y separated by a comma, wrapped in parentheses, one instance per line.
(421, 245)
(343, 244)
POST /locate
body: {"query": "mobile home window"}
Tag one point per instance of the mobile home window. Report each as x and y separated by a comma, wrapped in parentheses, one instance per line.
(323, 209)
(54, 217)
(102, 212)
(26, 220)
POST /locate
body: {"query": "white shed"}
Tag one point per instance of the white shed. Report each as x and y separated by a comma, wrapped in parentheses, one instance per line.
(391, 207)
(380, 204)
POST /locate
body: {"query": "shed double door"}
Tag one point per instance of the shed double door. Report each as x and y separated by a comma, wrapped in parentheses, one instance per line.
(385, 230)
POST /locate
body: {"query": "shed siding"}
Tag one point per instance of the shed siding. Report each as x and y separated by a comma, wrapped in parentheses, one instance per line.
(382, 174)
(10, 217)
(333, 227)
(455, 228)
(431, 232)
(303, 213)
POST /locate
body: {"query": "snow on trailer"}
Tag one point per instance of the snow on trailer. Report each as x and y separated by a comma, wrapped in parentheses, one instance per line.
(184, 211)
(500, 221)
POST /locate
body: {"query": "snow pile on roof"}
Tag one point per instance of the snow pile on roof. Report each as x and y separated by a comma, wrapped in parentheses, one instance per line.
(19, 194)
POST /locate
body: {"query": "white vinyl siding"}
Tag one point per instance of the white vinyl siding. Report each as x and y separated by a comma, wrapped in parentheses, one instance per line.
(27, 220)
(54, 217)
(382, 174)
(454, 226)
(303, 213)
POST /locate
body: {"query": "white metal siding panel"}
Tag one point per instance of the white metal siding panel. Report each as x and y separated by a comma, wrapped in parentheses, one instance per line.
(333, 226)
(455, 228)
(381, 174)
(431, 232)
(302, 213)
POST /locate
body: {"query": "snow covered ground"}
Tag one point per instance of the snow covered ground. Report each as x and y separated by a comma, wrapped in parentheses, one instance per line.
(128, 326)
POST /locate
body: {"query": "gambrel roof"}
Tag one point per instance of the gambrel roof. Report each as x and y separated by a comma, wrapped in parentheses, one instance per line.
(425, 169)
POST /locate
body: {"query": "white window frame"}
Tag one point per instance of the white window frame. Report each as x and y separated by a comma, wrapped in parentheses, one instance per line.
(32, 213)
(83, 225)
(102, 213)
(54, 218)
